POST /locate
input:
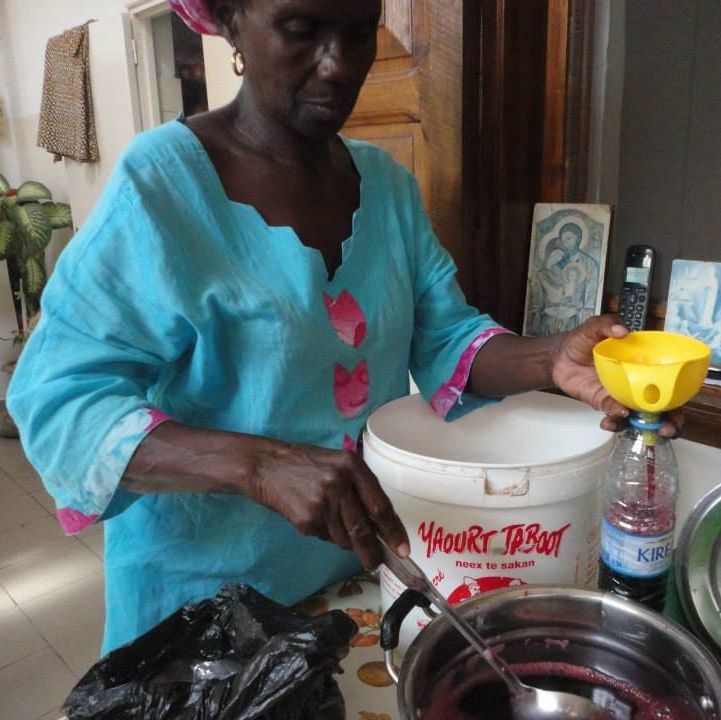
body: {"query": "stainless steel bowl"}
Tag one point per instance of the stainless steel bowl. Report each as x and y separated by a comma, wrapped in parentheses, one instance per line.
(585, 628)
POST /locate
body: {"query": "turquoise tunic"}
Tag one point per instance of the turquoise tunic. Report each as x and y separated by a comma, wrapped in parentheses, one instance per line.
(173, 300)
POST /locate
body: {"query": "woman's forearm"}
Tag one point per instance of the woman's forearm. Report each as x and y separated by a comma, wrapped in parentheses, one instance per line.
(509, 364)
(331, 494)
(180, 458)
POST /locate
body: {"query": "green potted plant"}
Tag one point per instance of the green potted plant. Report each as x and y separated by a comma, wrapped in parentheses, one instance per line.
(28, 217)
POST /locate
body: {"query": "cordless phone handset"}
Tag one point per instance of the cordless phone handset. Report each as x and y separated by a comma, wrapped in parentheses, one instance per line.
(634, 298)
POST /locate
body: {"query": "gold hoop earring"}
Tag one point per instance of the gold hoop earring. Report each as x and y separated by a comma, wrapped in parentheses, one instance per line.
(237, 62)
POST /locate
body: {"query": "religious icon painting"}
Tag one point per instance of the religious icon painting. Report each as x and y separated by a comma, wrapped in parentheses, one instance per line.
(694, 307)
(566, 266)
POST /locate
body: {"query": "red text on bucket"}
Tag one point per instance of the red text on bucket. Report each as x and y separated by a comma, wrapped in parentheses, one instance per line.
(517, 538)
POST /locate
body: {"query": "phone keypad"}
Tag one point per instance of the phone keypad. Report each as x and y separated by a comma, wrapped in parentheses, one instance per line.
(632, 307)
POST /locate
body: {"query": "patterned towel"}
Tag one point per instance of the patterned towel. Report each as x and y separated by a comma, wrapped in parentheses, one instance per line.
(67, 125)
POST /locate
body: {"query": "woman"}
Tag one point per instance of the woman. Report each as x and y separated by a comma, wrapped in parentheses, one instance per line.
(248, 289)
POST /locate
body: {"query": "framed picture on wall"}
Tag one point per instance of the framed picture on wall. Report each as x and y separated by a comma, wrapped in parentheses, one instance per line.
(694, 304)
(566, 266)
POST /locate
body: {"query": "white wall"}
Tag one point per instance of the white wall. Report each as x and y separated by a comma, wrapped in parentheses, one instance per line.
(170, 90)
(25, 27)
(8, 155)
(609, 51)
(9, 168)
(669, 179)
(222, 83)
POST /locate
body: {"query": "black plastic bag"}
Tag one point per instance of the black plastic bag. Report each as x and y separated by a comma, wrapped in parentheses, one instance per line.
(236, 656)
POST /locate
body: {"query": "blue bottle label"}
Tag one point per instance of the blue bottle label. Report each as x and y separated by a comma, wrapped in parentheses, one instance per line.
(635, 556)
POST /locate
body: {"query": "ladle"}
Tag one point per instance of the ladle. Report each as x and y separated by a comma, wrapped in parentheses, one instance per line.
(527, 702)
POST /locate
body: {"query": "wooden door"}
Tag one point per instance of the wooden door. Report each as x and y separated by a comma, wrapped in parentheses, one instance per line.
(412, 105)
(511, 162)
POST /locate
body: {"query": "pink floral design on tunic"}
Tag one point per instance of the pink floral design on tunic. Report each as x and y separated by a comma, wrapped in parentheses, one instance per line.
(450, 392)
(73, 521)
(351, 388)
(346, 317)
(350, 444)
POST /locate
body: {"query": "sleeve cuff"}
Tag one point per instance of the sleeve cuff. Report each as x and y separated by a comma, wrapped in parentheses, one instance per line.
(106, 471)
(452, 393)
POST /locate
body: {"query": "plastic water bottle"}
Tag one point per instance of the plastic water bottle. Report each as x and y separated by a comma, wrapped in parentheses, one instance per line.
(640, 488)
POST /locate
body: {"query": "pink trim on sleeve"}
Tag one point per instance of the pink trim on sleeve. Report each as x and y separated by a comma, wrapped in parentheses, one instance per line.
(450, 392)
(73, 521)
(157, 417)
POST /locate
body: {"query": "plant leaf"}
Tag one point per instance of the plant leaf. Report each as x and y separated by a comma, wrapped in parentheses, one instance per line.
(59, 214)
(4, 184)
(33, 192)
(6, 237)
(9, 199)
(35, 224)
(33, 277)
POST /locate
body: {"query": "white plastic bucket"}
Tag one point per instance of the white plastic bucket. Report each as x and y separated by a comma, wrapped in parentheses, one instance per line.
(506, 495)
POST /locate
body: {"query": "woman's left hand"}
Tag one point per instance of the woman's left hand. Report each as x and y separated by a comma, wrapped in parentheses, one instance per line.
(573, 372)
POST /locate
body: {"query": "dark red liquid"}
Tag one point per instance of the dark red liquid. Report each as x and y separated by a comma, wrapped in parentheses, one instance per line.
(467, 694)
(650, 592)
(643, 519)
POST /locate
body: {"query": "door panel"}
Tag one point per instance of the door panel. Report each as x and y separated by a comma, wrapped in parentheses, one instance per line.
(412, 105)
(512, 169)
(388, 112)
(401, 141)
(395, 30)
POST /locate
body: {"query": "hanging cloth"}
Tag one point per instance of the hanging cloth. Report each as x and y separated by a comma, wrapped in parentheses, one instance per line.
(67, 125)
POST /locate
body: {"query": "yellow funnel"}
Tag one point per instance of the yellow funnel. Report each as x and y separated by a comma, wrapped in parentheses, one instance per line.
(652, 371)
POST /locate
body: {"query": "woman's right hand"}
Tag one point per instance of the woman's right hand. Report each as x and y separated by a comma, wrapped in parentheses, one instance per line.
(330, 494)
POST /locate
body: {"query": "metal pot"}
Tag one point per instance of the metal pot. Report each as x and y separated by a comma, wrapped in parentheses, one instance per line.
(586, 628)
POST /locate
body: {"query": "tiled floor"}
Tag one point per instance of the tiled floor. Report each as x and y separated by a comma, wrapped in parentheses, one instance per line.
(51, 596)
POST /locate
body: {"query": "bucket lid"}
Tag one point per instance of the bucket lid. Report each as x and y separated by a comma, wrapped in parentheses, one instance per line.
(698, 567)
(528, 430)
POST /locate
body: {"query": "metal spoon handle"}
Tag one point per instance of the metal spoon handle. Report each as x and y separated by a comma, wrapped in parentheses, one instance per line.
(412, 576)
(515, 686)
